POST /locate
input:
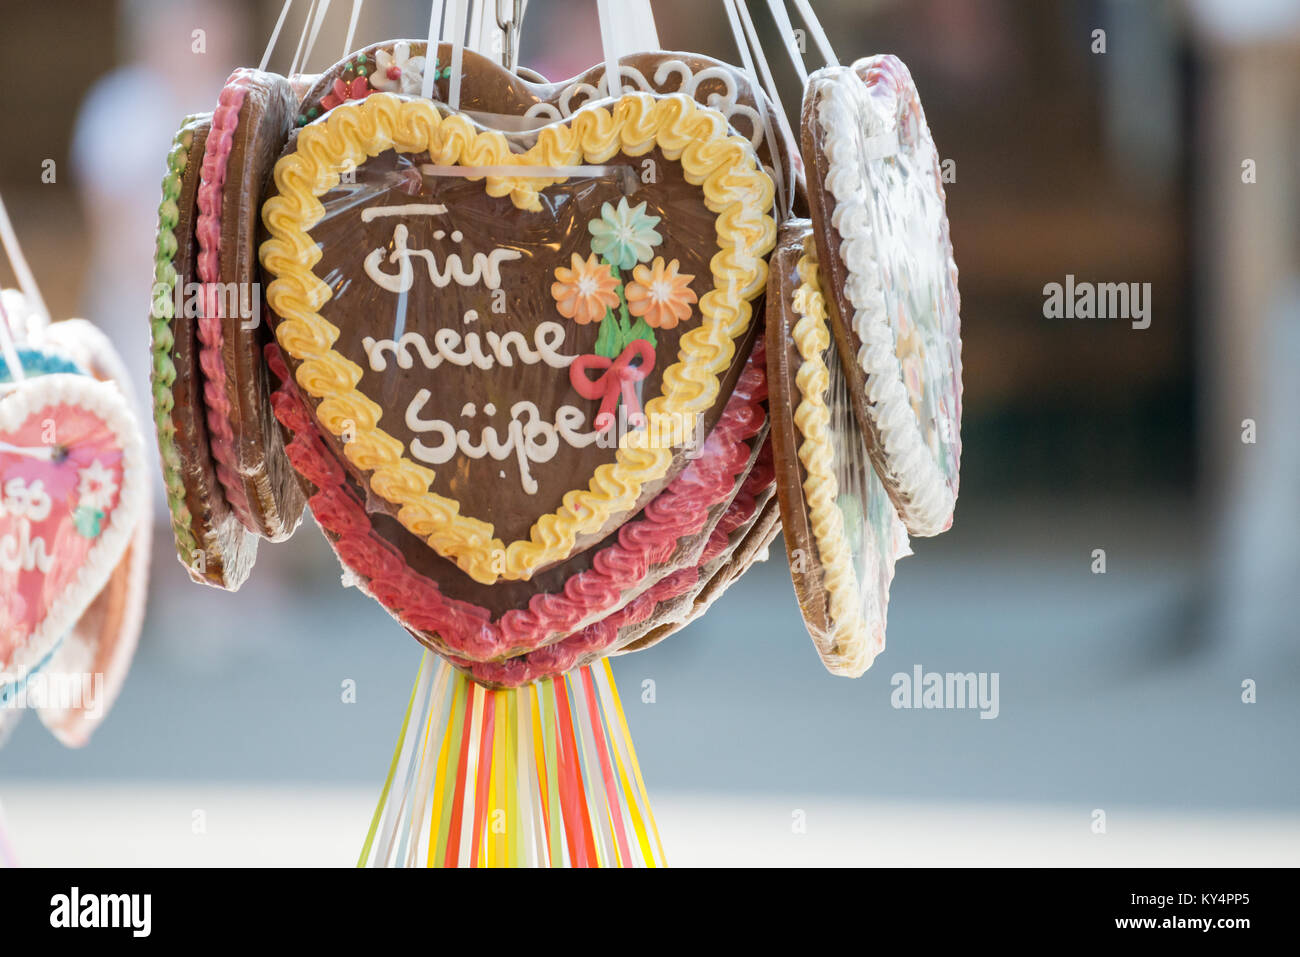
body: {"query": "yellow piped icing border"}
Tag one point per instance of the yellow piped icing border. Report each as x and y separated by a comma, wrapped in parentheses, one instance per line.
(849, 647)
(735, 189)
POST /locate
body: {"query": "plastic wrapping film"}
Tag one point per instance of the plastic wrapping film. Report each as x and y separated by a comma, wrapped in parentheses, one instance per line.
(842, 532)
(488, 324)
(877, 199)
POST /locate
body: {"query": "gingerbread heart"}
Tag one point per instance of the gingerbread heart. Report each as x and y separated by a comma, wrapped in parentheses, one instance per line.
(878, 205)
(581, 338)
(211, 543)
(71, 494)
(98, 649)
(250, 124)
(842, 532)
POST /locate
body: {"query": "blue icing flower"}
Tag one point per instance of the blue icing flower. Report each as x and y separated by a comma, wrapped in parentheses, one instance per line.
(624, 235)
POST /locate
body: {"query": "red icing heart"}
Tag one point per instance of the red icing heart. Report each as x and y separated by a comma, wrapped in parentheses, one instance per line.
(71, 493)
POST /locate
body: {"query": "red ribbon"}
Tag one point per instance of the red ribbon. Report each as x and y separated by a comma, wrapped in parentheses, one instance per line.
(618, 378)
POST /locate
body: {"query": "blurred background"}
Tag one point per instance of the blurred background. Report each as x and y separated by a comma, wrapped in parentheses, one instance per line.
(1169, 159)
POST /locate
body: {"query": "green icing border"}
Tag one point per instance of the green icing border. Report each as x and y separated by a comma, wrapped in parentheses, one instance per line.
(163, 371)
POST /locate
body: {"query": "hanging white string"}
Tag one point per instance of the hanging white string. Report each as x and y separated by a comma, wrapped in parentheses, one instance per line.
(457, 53)
(738, 32)
(642, 27)
(782, 119)
(519, 36)
(315, 31)
(476, 38)
(609, 46)
(819, 35)
(783, 25)
(12, 360)
(26, 282)
(275, 35)
(295, 65)
(431, 49)
(352, 26)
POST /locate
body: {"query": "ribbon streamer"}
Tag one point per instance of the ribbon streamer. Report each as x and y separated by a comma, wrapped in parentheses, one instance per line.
(540, 776)
(619, 379)
(8, 858)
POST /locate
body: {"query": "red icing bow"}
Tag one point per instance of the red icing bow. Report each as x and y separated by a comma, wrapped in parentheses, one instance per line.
(618, 378)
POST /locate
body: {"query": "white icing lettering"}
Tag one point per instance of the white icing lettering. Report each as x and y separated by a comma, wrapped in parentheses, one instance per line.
(528, 437)
(484, 268)
(21, 552)
(450, 346)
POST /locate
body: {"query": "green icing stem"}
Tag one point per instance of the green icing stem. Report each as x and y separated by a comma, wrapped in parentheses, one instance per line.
(163, 375)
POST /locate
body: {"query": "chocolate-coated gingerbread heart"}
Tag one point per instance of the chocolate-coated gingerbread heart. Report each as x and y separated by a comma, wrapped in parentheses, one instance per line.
(250, 124)
(211, 543)
(476, 338)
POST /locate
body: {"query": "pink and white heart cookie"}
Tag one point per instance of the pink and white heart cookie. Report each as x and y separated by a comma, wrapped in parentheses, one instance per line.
(72, 493)
(96, 653)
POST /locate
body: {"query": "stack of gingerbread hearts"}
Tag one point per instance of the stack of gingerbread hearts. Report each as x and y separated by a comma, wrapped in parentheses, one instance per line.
(75, 526)
(507, 340)
(519, 368)
(864, 340)
(512, 354)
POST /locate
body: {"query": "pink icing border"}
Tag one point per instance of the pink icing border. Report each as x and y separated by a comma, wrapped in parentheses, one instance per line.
(597, 639)
(216, 400)
(467, 631)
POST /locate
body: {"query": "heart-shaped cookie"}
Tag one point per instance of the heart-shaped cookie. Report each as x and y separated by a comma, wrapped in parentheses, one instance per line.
(96, 653)
(502, 324)
(877, 199)
(211, 542)
(842, 532)
(250, 124)
(71, 494)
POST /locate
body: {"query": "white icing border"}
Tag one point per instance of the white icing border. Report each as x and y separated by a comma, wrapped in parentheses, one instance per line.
(106, 402)
(839, 93)
(725, 102)
(84, 343)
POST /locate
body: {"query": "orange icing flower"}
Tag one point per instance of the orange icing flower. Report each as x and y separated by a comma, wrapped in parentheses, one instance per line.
(660, 295)
(585, 291)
